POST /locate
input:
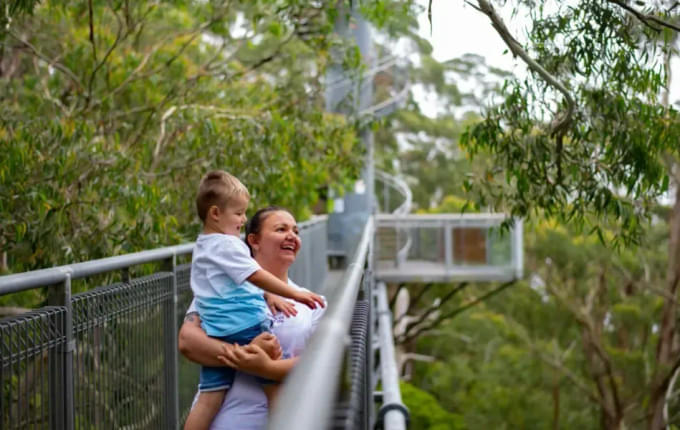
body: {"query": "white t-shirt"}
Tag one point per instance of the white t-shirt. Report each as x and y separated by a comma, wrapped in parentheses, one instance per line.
(245, 405)
(227, 304)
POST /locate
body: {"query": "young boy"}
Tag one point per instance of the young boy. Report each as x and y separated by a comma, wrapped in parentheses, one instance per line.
(230, 309)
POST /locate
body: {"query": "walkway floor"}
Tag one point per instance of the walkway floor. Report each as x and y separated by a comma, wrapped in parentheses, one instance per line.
(427, 271)
(333, 278)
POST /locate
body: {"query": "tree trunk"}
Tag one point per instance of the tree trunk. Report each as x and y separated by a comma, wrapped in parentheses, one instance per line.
(556, 404)
(667, 353)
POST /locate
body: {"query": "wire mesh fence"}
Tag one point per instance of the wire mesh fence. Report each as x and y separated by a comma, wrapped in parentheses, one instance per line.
(31, 357)
(119, 360)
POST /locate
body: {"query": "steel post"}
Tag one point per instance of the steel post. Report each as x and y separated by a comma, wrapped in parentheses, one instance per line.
(171, 350)
(69, 346)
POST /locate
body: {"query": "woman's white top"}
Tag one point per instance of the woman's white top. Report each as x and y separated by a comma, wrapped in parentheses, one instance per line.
(245, 405)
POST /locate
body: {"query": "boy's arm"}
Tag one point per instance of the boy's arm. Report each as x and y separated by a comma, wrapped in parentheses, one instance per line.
(272, 284)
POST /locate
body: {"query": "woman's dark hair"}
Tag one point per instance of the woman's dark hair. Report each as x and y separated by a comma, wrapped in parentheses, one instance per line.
(254, 224)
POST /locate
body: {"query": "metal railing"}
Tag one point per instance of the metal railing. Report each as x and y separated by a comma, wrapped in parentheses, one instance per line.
(310, 392)
(107, 358)
(393, 415)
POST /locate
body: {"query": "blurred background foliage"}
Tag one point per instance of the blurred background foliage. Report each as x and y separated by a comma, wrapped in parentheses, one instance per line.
(111, 111)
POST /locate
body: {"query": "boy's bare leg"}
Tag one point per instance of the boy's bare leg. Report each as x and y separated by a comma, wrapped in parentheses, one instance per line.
(271, 391)
(207, 406)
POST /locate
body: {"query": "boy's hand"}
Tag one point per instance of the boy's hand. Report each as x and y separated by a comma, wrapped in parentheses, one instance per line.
(277, 303)
(269, 343)
(309, 299)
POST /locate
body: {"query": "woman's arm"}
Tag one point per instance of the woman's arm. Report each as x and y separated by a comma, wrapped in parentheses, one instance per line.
(197, 346)
(200, 348)
(253, 359)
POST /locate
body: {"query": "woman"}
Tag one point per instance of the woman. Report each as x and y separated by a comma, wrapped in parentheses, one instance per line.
(272, 236)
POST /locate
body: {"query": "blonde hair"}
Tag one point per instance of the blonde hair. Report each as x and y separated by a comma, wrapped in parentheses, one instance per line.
(216, 189)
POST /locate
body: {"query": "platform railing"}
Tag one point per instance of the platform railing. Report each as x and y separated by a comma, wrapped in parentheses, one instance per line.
(108, 358)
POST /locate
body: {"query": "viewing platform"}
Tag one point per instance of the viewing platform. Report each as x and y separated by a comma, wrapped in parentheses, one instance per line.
(448, 248)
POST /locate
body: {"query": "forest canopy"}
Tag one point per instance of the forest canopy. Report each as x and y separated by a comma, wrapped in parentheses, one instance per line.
(110, 112)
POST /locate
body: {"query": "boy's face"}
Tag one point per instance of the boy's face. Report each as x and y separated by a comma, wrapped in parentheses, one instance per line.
(233, 217)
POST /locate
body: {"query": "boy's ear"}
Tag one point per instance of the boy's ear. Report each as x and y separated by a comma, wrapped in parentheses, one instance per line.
(213, 212)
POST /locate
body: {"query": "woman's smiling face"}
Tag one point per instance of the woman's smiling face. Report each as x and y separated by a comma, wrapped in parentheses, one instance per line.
(278, 239)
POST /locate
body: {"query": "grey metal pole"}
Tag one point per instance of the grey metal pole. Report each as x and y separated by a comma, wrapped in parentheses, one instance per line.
(393, 414)
(517, 246)
(69, 347)
(171, 352)
(56, 375)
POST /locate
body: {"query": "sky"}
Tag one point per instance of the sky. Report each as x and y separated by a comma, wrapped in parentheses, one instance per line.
(457, 28)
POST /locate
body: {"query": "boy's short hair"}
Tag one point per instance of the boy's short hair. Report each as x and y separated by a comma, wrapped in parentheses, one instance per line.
(216, 189)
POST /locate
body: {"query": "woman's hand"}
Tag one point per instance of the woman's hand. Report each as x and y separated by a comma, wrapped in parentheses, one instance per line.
(277, 303)
(270, 344)
(250, 358)
(253, 359)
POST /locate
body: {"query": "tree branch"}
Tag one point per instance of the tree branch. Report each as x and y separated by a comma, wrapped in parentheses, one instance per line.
(433, 308)
(100, 64)
(57, 65)
(651, 21)
(91, 23)
(454, 312)
(560, 123)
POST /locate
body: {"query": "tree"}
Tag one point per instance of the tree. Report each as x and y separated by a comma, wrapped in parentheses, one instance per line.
(605, 149)
(110, 112)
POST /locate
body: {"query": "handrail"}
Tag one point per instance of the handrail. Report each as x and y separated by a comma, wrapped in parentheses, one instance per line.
(44, 277)
(393, 415)
(472, 217)
(383, 64)
(404, 209)
(390, 102)
(55, 275)
(315, 378)
(401, 187)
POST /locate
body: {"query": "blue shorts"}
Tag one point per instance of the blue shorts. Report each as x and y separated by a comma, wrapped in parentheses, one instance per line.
(222, 378)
